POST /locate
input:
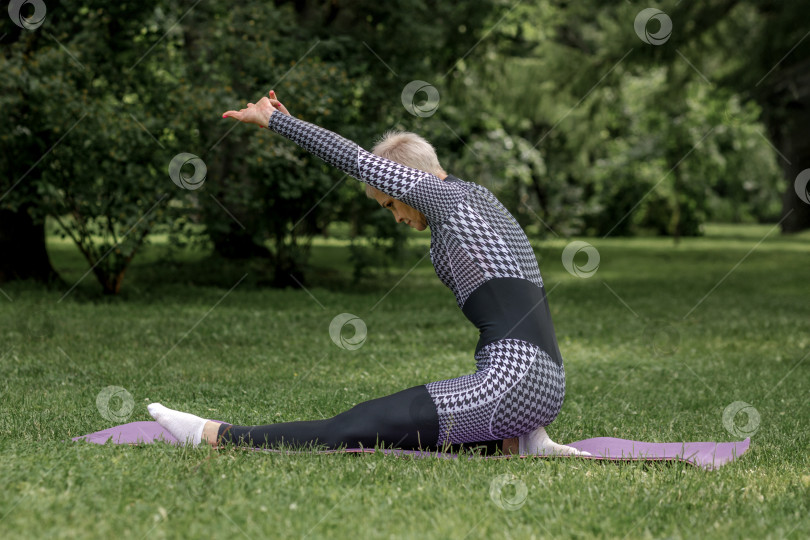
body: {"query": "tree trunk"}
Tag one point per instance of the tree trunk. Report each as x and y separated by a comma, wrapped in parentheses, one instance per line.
(795, 146)
(22, 248)
(786, 108)
(238, 244)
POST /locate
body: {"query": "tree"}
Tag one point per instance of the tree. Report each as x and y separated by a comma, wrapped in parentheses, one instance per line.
(331, 65)
(23, 254)
(613, 119)
(77, 101)
(756, 49)
(109, 93)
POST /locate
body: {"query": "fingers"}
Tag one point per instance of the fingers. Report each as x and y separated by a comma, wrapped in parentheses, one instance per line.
(250, 112)
(276, 103)
(237, 114)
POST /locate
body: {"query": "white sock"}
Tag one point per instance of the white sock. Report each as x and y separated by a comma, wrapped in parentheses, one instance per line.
(185, 427)
(538, 442)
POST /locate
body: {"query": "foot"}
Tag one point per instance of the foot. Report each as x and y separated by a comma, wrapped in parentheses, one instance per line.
(538, 442)
(185, 427)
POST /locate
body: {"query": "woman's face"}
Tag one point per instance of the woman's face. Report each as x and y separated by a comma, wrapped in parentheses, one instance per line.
(402, 212)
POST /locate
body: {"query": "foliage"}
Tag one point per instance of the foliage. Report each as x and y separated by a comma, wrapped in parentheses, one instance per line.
(628, 144)
(574, 122)
(97, 126)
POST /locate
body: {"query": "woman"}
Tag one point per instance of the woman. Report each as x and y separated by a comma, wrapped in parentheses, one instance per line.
(481, 253)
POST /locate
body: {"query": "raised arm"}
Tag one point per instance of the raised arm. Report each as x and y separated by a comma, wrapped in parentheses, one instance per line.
(421, 190)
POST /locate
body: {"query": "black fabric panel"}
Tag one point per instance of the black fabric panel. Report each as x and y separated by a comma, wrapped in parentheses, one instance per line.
(512, 308)
(407, 419)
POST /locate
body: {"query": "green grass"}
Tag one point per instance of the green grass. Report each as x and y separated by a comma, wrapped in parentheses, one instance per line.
(636, 368)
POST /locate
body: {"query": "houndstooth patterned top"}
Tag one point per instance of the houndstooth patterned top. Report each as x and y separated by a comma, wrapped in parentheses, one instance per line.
(474, 238)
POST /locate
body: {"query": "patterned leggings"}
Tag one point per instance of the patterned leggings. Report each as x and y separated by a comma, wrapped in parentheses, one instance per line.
(515, 389)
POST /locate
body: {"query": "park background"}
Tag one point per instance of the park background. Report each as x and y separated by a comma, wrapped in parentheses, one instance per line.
(152, 251)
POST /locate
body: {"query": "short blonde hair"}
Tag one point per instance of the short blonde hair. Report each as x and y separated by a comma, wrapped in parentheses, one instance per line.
(407, 149)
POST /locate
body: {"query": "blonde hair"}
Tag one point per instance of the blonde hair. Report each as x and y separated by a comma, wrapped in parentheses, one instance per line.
(407, 149)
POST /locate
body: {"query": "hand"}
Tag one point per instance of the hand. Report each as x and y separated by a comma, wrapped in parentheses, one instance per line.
(258, 113)
(277, 104)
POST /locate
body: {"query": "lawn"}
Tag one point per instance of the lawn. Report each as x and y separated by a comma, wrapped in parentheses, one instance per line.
(657, 344)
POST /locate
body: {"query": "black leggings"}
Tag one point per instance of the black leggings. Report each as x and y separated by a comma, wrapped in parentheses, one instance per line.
(407, 420)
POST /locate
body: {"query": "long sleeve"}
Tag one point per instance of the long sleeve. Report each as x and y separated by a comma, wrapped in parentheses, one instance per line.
(427, 193)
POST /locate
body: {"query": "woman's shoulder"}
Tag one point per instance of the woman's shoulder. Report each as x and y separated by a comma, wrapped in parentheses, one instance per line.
(477, 191)
(471, 185)
(478, 200)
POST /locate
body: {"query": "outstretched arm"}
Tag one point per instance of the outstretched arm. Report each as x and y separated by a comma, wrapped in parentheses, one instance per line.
(421, 190)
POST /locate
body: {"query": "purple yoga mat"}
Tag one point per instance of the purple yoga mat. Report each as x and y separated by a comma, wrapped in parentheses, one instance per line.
(709, 455)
